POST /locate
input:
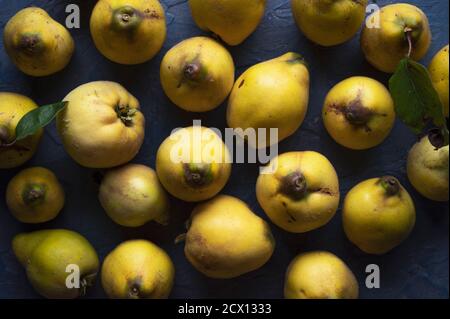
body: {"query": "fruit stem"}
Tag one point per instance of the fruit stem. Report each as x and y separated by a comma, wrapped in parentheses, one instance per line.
(356, 113)
(86, 282)
(390, 185)
(408, 32)
(30, 43)
(192, 71)
(126, 18)
(134, 292)
(197, 175)
(294, 185)
(126, 113)
(296, 58)
(180, 238)
(33, 194)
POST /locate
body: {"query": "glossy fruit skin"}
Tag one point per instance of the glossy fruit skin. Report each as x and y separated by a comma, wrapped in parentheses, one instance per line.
(427, 169)
(225, 239)
(439, 68)
(92, 130)
(375, 221)
(320, 275)
(138, 269)
(48, 199)
(231, 20)
(202, 148)
(48, 254)
(204, 88)
(327, 22)
(376, 100)
(13, 107)
(384, 47)
(310, 210)
(37, 44)
(132, 196)
(271, 94)
(128, 31)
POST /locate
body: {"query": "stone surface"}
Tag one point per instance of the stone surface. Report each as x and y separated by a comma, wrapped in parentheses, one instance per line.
(416, 269)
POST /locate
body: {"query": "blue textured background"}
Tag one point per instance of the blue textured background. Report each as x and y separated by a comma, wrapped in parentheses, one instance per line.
(416, 269)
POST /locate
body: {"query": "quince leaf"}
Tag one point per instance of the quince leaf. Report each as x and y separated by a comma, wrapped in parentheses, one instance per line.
(38, 118)
(415, 98)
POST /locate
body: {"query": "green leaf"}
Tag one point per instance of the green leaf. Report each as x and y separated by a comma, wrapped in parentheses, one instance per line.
(36, 119)
(416, 100)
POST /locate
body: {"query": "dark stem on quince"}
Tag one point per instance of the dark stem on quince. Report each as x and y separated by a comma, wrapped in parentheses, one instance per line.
(33, 194)
(294, 185)
(126, 19)
(197, 175)
(192, 71)
(126, 113)
(357, 114)
(390, 184)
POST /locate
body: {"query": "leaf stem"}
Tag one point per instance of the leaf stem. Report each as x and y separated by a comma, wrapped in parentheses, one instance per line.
(5, 145)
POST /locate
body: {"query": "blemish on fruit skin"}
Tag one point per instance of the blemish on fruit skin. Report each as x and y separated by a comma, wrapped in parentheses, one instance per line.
(199, 252)
(241, 84)
(151, 14)
(291, 217)
(355, 104)
(325, 191)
